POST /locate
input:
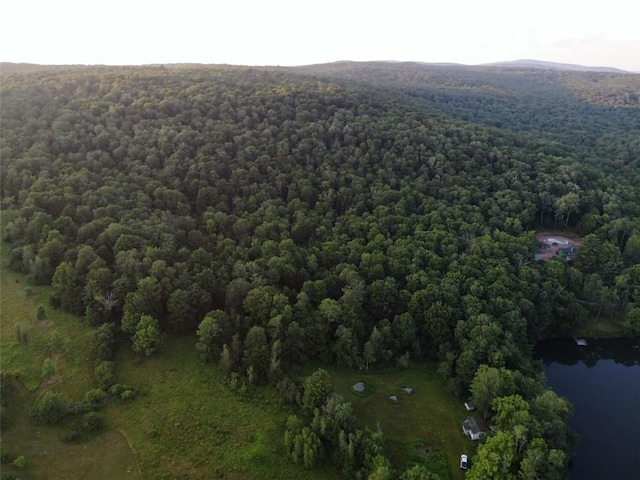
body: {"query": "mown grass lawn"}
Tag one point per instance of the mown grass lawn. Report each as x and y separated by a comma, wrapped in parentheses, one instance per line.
(422, 427)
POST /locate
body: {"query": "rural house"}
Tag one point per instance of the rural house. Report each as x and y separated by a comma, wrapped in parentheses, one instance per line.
(474, 428)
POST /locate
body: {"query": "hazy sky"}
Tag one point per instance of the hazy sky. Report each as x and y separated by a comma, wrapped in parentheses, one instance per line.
(283, 32)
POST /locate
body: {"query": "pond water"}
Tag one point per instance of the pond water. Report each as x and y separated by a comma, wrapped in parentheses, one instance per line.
(602, 381)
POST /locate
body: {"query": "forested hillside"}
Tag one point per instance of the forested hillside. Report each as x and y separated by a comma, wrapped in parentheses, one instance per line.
(358, 214)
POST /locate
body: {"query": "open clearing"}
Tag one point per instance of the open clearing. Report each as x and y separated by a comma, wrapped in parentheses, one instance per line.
(550, 244)
(191, 425)
(424, 426)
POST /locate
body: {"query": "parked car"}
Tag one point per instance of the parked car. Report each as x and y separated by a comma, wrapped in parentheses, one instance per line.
(464, 462)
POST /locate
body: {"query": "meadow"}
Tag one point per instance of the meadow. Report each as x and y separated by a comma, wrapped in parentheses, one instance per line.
(421, 427)
(47, 457)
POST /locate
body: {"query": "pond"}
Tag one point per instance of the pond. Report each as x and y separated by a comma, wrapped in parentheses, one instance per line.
(602, 381)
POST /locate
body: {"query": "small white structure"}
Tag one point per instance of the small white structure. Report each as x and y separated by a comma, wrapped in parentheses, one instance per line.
(408, 390)
(472, 427)
(469, 406)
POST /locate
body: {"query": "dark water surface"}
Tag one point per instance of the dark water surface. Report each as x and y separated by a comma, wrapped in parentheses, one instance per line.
(602, 381)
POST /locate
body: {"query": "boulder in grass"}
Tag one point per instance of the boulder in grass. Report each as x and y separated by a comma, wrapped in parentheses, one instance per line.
(359, 387)
(393, 398)
(408, 390)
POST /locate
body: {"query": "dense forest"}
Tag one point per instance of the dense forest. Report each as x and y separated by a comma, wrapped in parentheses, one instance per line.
(364, 215)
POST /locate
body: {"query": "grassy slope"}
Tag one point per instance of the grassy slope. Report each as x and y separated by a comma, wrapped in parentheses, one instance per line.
(191, 425)
(429, 417)
(47, 457)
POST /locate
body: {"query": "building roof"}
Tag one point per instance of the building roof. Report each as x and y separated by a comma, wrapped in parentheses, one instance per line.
(474, 425)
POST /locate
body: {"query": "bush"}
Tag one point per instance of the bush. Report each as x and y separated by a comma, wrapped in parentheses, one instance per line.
(20, 461)
(5, 457)
(48, 369)
(125, 392)
(23, 334)
(102, 343)
(93, 422)
(41, 313)
(56, 342)
(105, 375)
(95, 396)
(632, 322)
(48, 409)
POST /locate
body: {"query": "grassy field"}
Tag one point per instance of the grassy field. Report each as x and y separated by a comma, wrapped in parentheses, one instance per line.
(16, 309)
(422, 427)
(191, 425)
(105, 457)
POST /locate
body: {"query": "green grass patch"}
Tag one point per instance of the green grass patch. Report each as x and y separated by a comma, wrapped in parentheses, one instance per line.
(604, 327)
(369, 388)
(422, 427)
(19, 311)
(103, 456)
(191, 425)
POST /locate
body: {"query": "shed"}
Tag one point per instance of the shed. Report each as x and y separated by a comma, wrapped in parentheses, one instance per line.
(474, 427)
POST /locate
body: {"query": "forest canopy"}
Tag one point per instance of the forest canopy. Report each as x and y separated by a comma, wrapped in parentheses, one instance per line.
(357, 214)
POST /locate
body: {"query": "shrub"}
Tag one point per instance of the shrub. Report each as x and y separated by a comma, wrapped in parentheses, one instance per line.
(102, 343)
(5, 457)
(56, 342)
(105, 375)
(41, 313)
(125, 392)
(48, 369)
(632, 322)
(93, 422)
(20, 461)
(95, 396)
(48, 409)
(23, 334)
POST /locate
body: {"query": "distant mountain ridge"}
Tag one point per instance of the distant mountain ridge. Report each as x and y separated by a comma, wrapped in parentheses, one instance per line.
(12, 67)
(529, 63)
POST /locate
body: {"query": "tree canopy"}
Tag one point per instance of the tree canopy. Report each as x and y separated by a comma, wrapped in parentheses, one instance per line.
(358, 214)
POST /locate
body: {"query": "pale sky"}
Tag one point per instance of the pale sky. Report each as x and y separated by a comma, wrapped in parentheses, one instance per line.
(287, 32)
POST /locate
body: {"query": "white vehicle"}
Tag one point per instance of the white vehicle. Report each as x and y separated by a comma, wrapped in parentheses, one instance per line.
(464, 463)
